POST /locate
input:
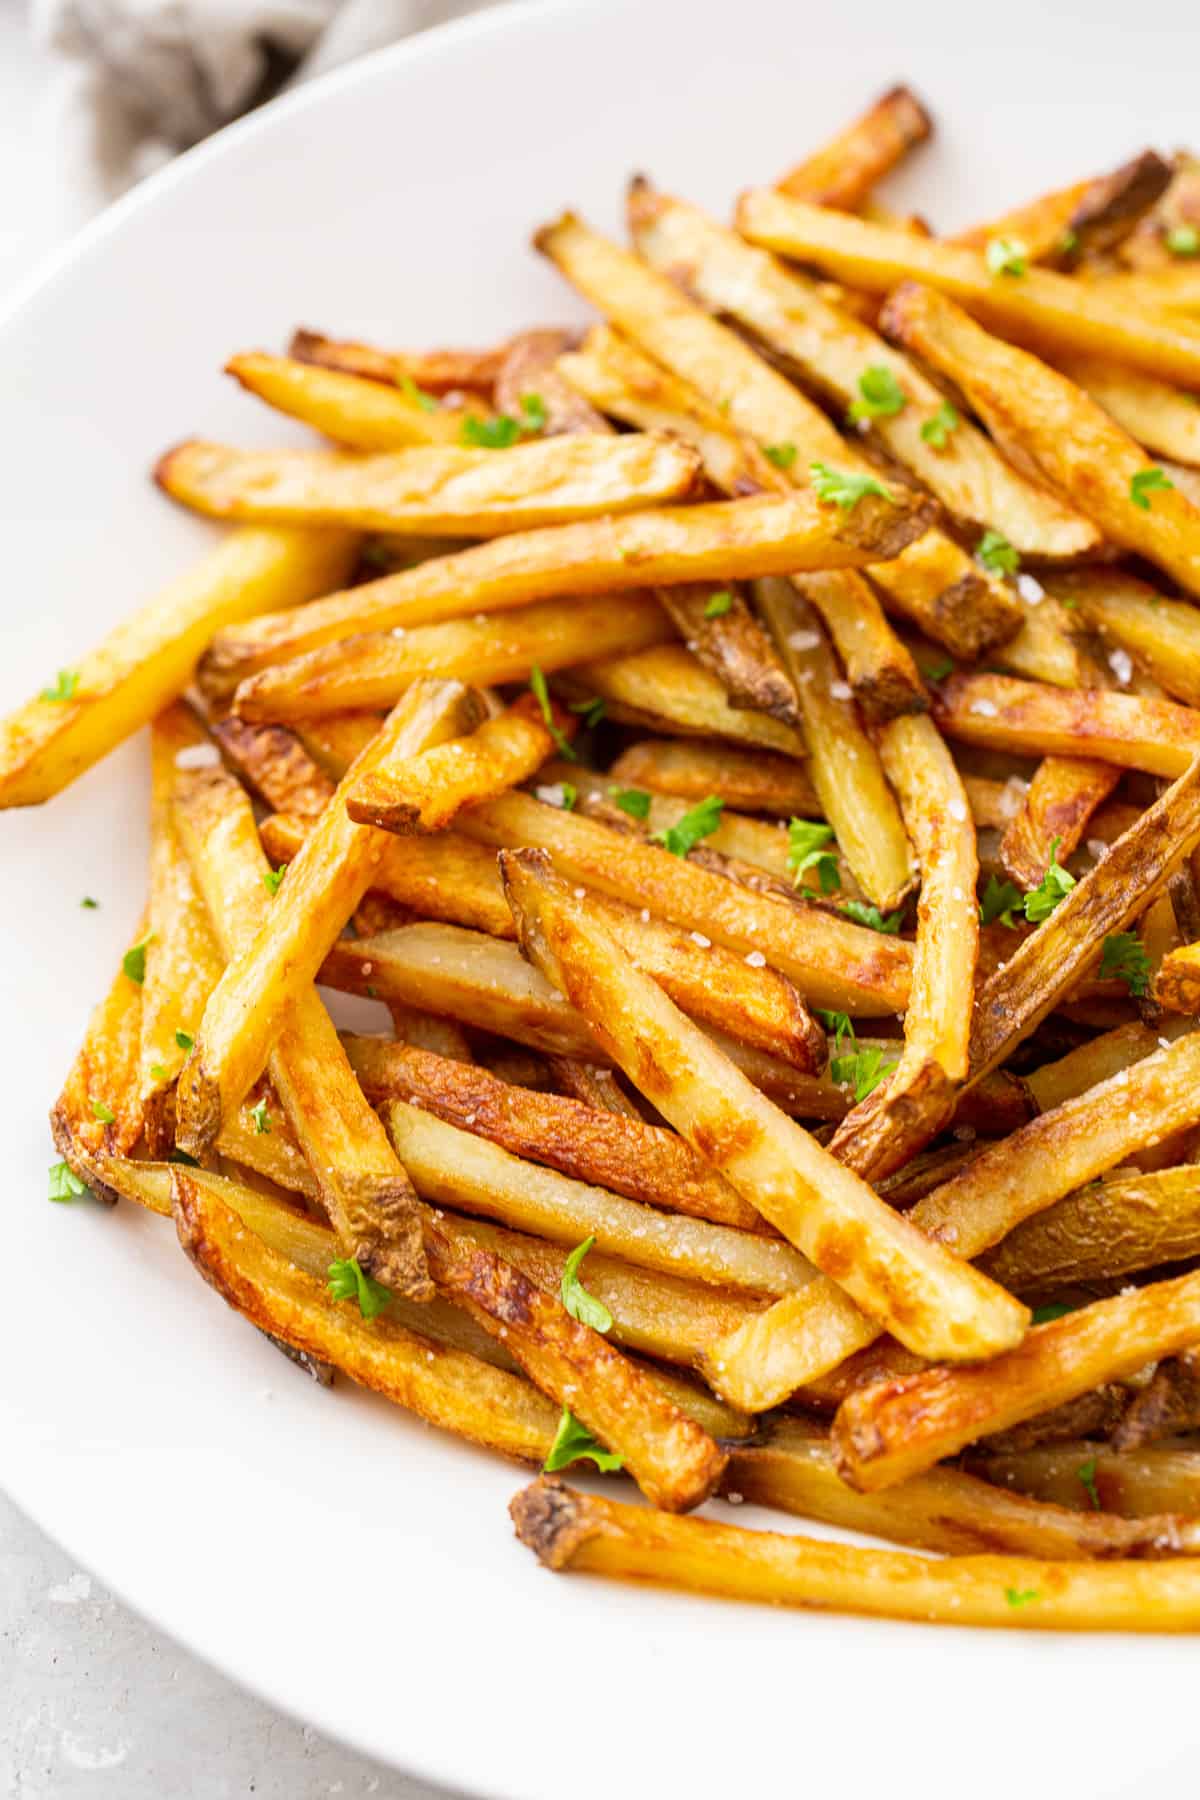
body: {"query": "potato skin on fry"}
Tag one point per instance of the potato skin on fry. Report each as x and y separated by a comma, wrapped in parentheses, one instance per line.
(843, 172)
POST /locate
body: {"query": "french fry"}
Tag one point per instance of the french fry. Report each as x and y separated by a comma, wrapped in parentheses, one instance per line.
(1086, 219)
(359, 414)
(832, 351)
(1071, 442)
(1136, 1484)
(725, 540)
(426, 791)
(810, 1333)
(571, 1530)
(364, 1190)
(1096, 1060)
(469, 493)
(528, 369)
(99, 1112)
(1060, 800)
(1177, 983)
(734, 646)
(834, 963)
(437, 371)
(1170, 292)
(643, 1162)
(812, 1200)
(1032, 719)
(249, 1008)
(1120, 1226)
(944, 1509)
(456, 1169)
(1160, 417)
(667, 688)
(146, 662)
(1161, 637)
(272, 760)
(1048, 308)
(375, 669)
(753, 780)
(885, 1432)
(844, 171)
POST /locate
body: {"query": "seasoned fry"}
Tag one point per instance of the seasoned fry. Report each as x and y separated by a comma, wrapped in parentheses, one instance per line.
(1160, 417)
(437, 371)
(883, 1433)
(146, 662)
(571, 1530)
(332, 871)
(1138, 1484)
(753, 780)
(99, 1112)
(276, 765)
(1161, 637)
(726, 540)
(812, 1200)
(844, 171)
(1086, 219)
(375, 669)
(734, 646)
(469, 493)
(1059, 802)
(1048, 308)
(1073, 443)
(362, 415)
(667, 688)
(1032, 719)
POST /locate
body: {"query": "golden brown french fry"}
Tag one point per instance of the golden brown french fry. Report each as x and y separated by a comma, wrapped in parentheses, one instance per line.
(1064, 793)
(834, 963)
(146, 662)
(810, 1333)
(528, 370)
(1122, 1225)
(1160, 417)
(753, 780)
(1086, 219)
(728, 540)
(643, 1162)
(843, 171)
(1147, 247)
(1170, 292)
(249, 1009)
(364, 1190)
(1032, 719)
(803, 1192)
(667, 688)
(437, 371)
(472, 493)
(1161, 637)
(99, 1112)
(424, 792)
(1177, 984)
(1096, 1060)
(361, 414)
(1070, 441)
(832, 351)
(273, 761)
(893, 1429)
(571, 1530)
(734, 646)
(1043, 306)
(375, 669)
(944, 1509)
(1137, 1484)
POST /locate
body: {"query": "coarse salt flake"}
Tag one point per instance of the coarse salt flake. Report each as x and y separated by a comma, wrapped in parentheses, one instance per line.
(698, 937)
(984, 709)
(755, 959)
(1030, 589)
(579, 892)
(553, 795)
(1121, 664)
(957, 810)
(197, 756)
(839, 690)
(803, 640)
(1097, 849)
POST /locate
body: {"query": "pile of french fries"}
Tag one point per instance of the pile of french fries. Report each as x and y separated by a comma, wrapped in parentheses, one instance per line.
(751, 748)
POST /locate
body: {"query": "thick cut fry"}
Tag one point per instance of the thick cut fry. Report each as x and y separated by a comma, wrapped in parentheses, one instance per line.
(333, 870)
(1138, 1484)
(362, 415)
(469, 493)
(809, 1333)
(943, 1509)
(374, 670)
(832, 351)
(833, 963)
(1096, 1060)
(911, 1106)
(1033, 719)
(1161, 637)
(897, 1428)
(843, 172)
(1059, 802)
(1162, 418)
(643, 1162)
(276, 765)
(453, 1168)
(364, 1190)
(667, 688)
(1177, 983)
(1071, 442)
(146, 662)
(734, 646)
(437, 371)
(1086, 219)
(728, 540)
(753, 780)
(424, 792)
(824, 1209)
(571, 1530)
(99, 1112)
(1047, 308)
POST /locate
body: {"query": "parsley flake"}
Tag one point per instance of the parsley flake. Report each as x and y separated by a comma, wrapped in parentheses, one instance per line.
(262, 1119)
(1068, 243)
(418, 396)
(699, 823)
(880, 395)
(574, 1440)
(1146, 482)
(1124, 958)
(64, 687)
(996, 554)
(273, 877)
(807, 849)
(184, 1039)
(65, 1183)
(102, 1111)
(181, 1156)
(348, 1280)
(864, 1070)
(579, 1303)
(936, 429)
(134, 960)
(533, 414)
(158, 1072)
(1007, 256)
(634, 801)
(938, 671)
(1021, 1596)
(1183, 240)
(782, 455)
(1001, 899)
(570, 794)
(846, 490)
(500, 433)
(719, 604)
(1054, 1309)
(591, 711)
(88, 904)
(1086, 1473)
(1054, 887)
(870, 916)
(541, 693)
(840, 1024)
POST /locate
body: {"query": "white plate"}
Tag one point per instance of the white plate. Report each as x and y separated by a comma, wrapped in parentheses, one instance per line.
(348, 1563)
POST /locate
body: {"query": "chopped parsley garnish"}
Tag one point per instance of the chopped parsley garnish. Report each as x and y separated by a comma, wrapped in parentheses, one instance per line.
(591, 711)
(1086, 1473)
(102, 1111)
(808, 849)
(1147, 482)
(1054, 887)
(840, 1024)
(719, 604)
(1124, 958)
(1183, 240)
(262, 1119)
(1021, 1596)
(570, 794)
(1007, 256)
(937, 671)
(1001, 899)
(579, 1303)
(184, 1039)
(273, 877)
(65, 1183)
(782, 455)
(1068, 243)
(541, 693)
(699, 823)
(936, 430)
(418, 396)
(880, 395)
(1054, 1309)
(842, 489)
(634, 801)
(348, 1280)
(533, 414)
(134, 960)
(88, 904)
(574, 1440)
(500, 433)
(158, 1072)
(864, 1070)
(862, 914)
(64, 687)
(996, 554)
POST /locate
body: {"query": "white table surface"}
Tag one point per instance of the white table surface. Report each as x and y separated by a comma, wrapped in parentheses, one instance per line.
(93, 1702)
